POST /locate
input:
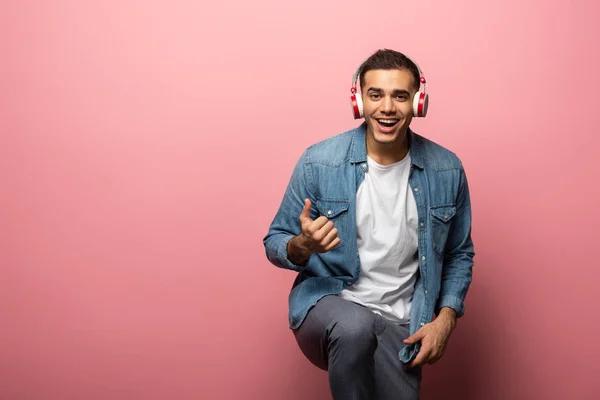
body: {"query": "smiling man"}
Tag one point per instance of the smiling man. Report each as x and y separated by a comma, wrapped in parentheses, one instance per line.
(377, 223)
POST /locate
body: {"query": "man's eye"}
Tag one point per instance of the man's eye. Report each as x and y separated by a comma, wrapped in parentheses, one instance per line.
(374, 96)
(401, 97)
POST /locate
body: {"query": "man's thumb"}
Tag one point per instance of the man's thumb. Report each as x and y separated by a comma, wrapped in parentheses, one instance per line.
(305, 215)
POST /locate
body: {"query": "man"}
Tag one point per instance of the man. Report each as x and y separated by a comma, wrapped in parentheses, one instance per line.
(377, 223)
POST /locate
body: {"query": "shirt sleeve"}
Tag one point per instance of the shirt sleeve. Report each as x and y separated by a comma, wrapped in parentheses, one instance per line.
(286, 223)
(458, 255)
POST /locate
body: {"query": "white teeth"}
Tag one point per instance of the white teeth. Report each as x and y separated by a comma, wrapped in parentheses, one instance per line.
(388, 121)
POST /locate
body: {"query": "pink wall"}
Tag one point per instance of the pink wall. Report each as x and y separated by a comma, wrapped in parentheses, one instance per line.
(145, 146)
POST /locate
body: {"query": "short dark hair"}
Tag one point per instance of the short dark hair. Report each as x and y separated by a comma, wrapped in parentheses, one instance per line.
(389, 59)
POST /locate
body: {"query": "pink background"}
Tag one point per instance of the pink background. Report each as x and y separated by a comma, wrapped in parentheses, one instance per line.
(145, 147)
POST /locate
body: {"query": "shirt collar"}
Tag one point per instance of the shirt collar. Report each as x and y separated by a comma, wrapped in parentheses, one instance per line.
(358, 148)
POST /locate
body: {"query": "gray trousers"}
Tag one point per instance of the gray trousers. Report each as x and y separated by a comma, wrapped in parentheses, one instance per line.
(359, 350)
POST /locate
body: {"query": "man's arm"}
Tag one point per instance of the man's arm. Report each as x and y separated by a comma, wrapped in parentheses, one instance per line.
(456, 278)
(459, 253)
(281, 247)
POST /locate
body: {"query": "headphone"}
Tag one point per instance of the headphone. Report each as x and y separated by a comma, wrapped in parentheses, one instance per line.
(420, 100)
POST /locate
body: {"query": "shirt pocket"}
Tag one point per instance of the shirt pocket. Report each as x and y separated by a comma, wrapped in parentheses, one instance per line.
(441, 220)
(337, 212)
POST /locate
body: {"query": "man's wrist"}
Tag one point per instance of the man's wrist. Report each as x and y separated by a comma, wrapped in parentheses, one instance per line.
(448, 314)
(297, 252)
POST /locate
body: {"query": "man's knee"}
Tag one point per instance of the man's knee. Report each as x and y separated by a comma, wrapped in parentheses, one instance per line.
(354, 335)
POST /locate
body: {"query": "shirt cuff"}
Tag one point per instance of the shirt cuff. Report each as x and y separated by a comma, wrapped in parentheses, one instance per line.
(282, 254)
(453, 302)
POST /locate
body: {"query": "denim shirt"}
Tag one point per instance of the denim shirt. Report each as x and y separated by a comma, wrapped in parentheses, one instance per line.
(329, 173)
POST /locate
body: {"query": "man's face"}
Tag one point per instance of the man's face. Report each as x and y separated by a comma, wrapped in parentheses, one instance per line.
(387, 103)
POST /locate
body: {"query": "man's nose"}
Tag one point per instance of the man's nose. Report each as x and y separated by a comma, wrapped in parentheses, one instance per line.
(387, 105)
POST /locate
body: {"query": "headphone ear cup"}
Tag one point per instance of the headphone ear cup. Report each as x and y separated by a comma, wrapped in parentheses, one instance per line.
(357, 105)
(420, 104)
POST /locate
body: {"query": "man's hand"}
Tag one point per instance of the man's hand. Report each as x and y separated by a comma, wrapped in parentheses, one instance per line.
(434, 338)
(318, 236)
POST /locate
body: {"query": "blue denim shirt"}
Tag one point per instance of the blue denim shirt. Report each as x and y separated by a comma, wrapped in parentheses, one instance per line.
(329, 174)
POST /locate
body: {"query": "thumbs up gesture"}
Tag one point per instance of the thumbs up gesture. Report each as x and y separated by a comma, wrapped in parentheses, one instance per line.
(319, 235)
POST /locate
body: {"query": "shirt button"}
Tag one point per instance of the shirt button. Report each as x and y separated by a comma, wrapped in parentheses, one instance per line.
(416, 189)
(423, 258)
(364, 166)
(422, 224)
(422, 323)
(426, 292)
(329, 212)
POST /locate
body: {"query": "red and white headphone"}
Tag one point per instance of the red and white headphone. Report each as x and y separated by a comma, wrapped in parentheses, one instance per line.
(420, 100)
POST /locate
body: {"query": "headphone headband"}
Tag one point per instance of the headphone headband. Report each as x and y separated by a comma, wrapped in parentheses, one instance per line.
(421, 76)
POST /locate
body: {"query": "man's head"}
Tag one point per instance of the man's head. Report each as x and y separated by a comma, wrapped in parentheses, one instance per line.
(388, 83)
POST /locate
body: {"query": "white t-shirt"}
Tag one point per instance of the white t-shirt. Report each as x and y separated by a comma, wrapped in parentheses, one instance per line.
(386, 222)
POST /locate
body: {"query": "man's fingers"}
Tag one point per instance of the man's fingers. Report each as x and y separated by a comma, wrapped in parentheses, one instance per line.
(320, 228)
(424, 355)
(332, 245)
(420, 359)
(329, 237)
(424, 352)
(418, 335)
(432, 360)
(437, 355)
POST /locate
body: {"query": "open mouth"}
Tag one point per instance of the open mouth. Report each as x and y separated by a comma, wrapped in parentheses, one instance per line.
(387, 125)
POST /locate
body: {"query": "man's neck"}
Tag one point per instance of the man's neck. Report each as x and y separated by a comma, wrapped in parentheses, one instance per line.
(386, 154)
